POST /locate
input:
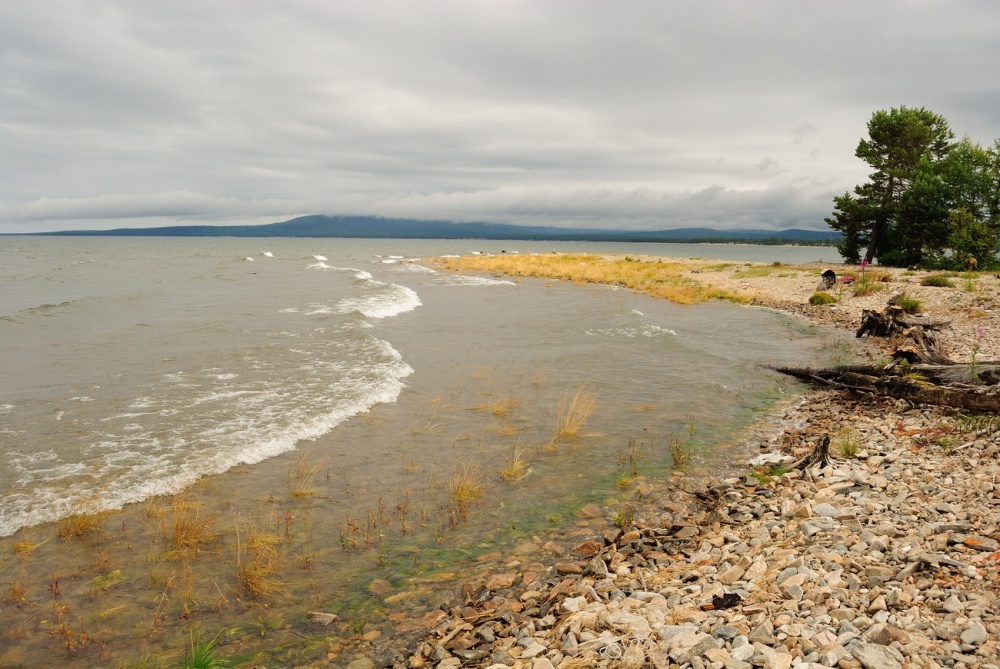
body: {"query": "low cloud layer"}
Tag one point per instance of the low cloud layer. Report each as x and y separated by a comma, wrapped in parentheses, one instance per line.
(646, 115)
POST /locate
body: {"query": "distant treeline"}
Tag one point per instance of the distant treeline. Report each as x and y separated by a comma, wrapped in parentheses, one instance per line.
(373, 227)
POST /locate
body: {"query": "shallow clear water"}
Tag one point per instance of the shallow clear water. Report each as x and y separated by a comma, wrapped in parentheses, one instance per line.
(333, 402)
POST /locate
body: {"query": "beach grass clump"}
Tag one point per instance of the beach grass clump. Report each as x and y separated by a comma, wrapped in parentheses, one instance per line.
(821, 298)
(679, 450)
(517, 466)
(202, 654)
(847, 443)
(501, 407)
(624, 516)
(573, 412)
(80, 524)
(259, 564)
(26, 543)
(465, 487)
(936, 281)
(867, 284)
(910, 305)
(301, 475)
(184, 525)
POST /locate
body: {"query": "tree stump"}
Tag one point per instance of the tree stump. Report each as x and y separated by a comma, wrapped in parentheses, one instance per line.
(914, 337)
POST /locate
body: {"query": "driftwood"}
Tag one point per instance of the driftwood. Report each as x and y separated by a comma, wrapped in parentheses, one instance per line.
(920, 372)
(914, 338)
(820, 455)
(908, 383)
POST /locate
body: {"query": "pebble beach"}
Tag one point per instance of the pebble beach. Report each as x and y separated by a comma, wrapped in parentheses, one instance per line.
(884, 557)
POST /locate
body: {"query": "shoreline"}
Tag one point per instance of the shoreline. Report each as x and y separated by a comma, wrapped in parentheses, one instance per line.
(887, 558)
(405, 619)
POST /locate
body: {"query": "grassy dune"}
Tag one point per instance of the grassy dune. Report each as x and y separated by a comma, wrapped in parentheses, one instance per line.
(656, 277)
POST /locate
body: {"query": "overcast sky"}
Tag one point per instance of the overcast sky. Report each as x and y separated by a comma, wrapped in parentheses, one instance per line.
(639, 115)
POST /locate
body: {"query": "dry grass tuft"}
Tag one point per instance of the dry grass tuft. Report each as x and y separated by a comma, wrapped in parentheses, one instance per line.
(259, 563)
(78, 525)
(183, 525)
(26, 543)
(301, 475)
(517, 467)
(574, 411)
(503, 406)
(465, 487)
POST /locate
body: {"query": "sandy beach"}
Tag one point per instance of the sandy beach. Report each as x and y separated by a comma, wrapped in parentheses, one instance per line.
(885, 557)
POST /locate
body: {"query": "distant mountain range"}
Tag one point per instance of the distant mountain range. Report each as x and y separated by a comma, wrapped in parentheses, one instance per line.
(404, 228)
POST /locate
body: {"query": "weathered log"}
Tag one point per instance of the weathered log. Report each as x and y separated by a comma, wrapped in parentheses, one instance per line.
(957, 389)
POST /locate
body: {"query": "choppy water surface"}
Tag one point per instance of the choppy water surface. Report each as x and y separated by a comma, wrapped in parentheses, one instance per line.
(337, 388)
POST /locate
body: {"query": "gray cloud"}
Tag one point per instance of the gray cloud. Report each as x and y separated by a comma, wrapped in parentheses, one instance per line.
(636, 115)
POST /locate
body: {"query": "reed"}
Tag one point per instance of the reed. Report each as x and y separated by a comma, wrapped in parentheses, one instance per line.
(573, 412)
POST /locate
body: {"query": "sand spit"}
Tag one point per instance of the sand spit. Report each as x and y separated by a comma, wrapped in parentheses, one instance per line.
(883, 558)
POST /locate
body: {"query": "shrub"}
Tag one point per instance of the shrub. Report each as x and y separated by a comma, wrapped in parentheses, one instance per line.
(822, 298)
(936, 281)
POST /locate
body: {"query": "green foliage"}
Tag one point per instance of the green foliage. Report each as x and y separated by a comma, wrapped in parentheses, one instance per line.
(202, 654)
(936, 281)
(929, 201)
(820, 298)
(910, 305)
(973, 242)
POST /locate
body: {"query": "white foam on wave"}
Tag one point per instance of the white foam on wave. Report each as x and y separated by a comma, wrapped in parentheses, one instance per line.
(647, 330)
(464, 280)
(419, 269)
(267, 422)
(318, 310)
(319, 265)
(317, 257)
(387, 300)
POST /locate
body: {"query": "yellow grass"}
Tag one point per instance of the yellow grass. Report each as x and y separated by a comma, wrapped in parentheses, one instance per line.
(79, 525)
(517, 467)
(466, 486)
(301, 474)
(183, 525)
(573, 412)
(258, 564)
(656, 278)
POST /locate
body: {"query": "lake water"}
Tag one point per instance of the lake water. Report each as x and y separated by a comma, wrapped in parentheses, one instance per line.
(133, 367)
(339, 389)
